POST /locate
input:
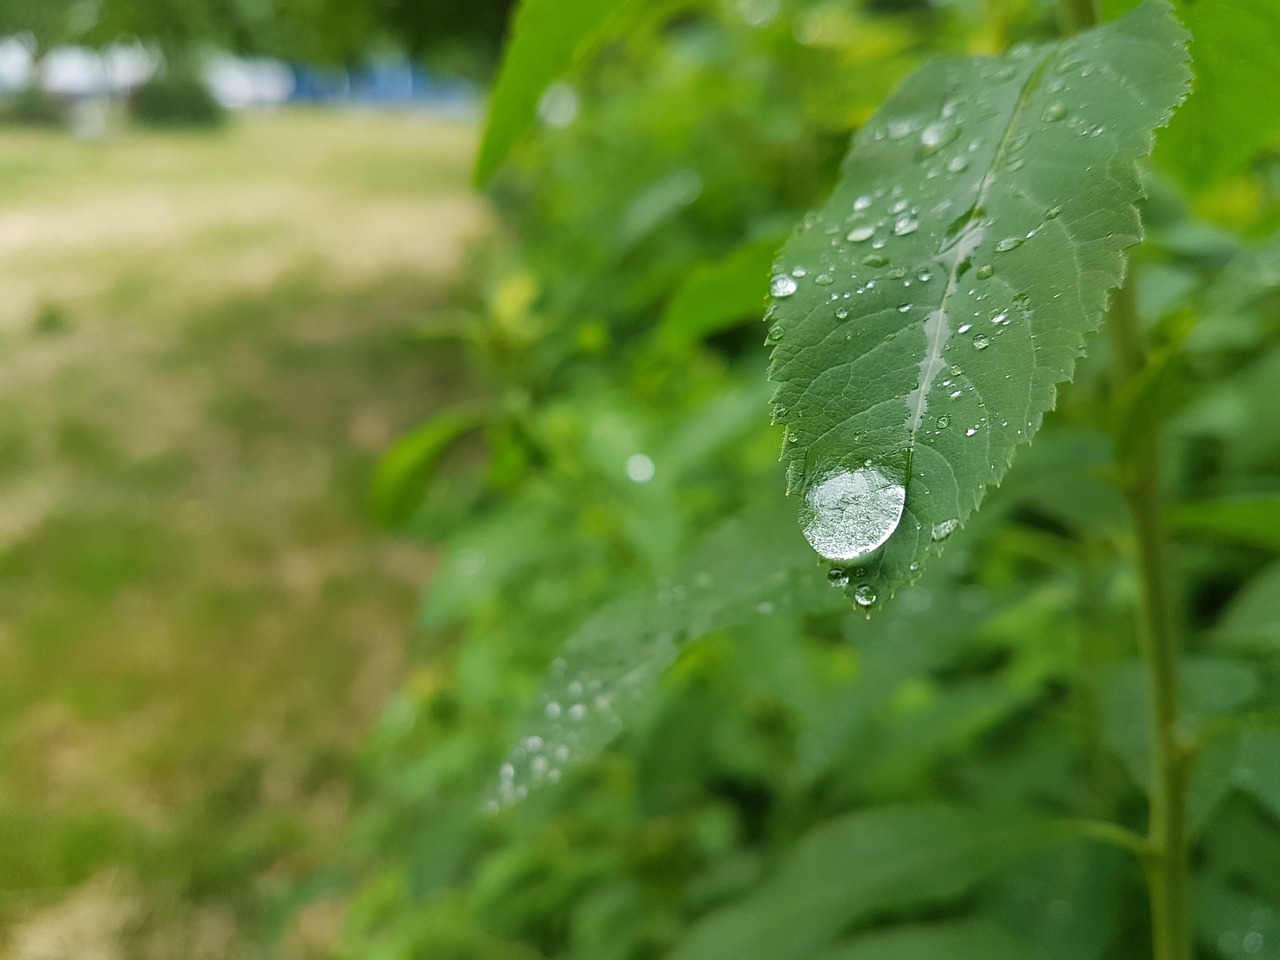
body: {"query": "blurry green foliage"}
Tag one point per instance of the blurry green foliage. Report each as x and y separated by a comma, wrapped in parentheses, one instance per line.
(176, 99)
(711, 762)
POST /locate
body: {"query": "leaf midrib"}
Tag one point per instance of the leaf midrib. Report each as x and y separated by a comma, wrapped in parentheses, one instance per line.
(935, 345)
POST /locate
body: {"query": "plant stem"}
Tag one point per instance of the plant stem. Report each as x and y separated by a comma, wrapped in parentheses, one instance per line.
(1168, 840)
(1167, 836)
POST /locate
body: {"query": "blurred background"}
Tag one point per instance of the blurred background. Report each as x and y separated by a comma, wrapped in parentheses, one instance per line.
(312, 456)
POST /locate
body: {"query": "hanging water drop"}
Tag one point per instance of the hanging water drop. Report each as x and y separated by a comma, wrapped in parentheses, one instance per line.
(782, 286)
(775, 333)
(864, 595)
(848, 514)
(838, 577)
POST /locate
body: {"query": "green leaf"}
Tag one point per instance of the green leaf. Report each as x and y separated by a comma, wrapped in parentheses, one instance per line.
(718, 294)
(754, 566)
(407, 467)
(1257, 769)
(1250, 623)
(547, 37)
(1235, 109)
(1251, 521)
(857, 866)
(1238, 925)
(964, 940)
(924, 316)
(1209, 689)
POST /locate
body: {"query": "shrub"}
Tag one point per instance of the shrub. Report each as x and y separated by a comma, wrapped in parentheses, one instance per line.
(176, 99)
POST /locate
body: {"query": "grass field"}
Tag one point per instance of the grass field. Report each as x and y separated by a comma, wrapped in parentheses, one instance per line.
(199, 364)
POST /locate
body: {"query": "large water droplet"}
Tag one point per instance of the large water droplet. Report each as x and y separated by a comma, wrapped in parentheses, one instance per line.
(1008, 243)
(838, 577)
(782, 286)
(824, 280)
(864, 595)
(1055, 111)
(860, 233)
(850, 513)
(862, 202)
(981, 342)
(775, 333)
(985, 272)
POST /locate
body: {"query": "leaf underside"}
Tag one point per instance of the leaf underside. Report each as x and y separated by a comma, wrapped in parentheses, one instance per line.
(923, 318)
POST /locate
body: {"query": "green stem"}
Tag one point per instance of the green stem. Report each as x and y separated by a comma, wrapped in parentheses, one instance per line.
(1168, 840)
(1168, 843)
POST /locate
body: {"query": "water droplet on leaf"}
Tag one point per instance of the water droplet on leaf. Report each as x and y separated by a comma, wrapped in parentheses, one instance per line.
(860, 233)
(782, 286)
(851, 513)
(905, 225)
(864, 595)
(944, 529)
(1008, 243)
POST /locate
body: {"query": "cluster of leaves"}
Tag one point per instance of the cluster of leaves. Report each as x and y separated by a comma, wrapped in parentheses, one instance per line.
(691, 739)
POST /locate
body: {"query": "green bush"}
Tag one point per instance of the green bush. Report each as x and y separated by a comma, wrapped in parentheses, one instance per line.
(1035, 729)
(176, 99)
(31, 106)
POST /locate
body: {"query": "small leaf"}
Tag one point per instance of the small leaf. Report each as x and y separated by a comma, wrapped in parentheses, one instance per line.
(1257, 769)
(1239, 926)
(1250, 521)
(752, 567)
(408, 466)
(1209, 689)
(547, 37)
(1235, 108)
(718, 294)
(1250, 624)
(857, 866)
(924, 317)
(964, 940)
